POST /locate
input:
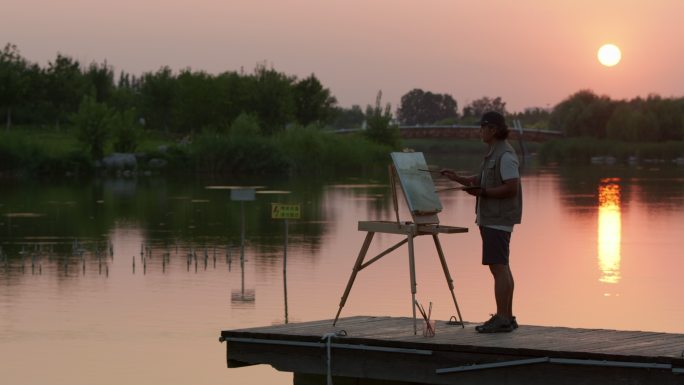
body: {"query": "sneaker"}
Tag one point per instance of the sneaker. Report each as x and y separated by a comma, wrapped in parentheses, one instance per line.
(489, 321)
(495, 324)
(514, 323)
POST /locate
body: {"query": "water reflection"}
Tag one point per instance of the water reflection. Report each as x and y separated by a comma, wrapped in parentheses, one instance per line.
(609, 230)
(243, 296)
(190, 281)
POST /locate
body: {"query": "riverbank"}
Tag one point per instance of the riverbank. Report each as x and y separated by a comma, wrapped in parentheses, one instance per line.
(296, 151)
(595, 151)
(580, 151)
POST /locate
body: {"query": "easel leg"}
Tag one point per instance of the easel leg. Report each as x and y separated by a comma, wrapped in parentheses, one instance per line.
(412, 269)
(450, 281)
(357, 267)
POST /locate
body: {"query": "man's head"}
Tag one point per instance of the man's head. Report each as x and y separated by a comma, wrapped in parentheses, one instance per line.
(492, 120)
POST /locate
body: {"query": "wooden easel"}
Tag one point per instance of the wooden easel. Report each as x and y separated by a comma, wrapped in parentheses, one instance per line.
(423, 224)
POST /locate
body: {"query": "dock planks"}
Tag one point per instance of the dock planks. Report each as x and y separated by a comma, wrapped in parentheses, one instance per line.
(558, 354)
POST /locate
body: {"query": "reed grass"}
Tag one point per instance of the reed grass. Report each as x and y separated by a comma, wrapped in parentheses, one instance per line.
(310, 150)
(39, 152)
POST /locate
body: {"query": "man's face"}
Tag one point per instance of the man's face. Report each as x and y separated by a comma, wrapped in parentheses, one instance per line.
(487, 132)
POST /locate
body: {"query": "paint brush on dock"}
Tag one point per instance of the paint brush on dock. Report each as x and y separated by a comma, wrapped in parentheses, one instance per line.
(426, 316)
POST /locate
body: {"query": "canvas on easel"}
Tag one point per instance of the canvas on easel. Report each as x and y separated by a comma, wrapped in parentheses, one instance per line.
(417, 186)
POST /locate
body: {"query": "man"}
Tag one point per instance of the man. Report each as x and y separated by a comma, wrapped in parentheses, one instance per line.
(498, 208)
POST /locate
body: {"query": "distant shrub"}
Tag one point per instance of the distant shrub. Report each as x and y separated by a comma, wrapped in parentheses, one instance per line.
(297, 150)
(36, 154)
(219, 154)
(312, 150)
(127, 131)
(245, 125)
(93, 123)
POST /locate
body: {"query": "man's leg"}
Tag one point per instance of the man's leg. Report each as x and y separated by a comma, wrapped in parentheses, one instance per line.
(495, 250)
(503, 290)
(510, 299)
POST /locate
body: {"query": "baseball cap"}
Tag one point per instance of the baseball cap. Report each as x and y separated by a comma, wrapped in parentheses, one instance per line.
(493, 118)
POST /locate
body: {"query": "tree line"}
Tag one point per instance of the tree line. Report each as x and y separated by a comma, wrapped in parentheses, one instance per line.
(650, 119)
(174, 103)
(66, 92)
(583, 114)
(425, 107)
(238, 123)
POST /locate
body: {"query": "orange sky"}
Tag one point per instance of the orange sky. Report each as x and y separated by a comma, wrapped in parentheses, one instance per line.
(532, 53)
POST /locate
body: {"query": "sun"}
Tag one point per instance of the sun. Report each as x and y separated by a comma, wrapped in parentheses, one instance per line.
(609, 55)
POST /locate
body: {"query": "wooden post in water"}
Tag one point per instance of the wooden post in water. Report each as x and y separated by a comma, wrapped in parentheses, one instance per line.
(285, 212)
(285, 271)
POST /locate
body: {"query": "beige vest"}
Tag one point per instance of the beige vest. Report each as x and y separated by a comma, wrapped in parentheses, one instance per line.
(495, 211)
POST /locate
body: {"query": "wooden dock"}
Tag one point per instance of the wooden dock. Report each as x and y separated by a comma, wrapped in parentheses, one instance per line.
(384, 350)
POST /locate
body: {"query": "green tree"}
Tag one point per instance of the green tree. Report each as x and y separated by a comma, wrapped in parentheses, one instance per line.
(345, 118)
(93, 122)
(235, 93)
(630, 124)
(533, 117)
(66, 87)
(100, 78)
(583, 114)
(34, 106)
(380, 128)
(313, 102)
(126, 130)
(12, 80)
(273, 99)
(476, 108)
(126, 94)
(420, 107)
(158, 94)
(244, 126)
(668, 115)
(197, 103)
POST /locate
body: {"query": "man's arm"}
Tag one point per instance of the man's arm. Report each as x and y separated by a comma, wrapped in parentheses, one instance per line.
(508, 189)
(466, 180)
(511, 179)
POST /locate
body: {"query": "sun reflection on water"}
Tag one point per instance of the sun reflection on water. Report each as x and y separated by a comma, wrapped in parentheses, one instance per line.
(609, 230)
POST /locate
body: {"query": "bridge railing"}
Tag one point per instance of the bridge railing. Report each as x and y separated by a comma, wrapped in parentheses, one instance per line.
(477, 127)
(465, 131)
(458, 126)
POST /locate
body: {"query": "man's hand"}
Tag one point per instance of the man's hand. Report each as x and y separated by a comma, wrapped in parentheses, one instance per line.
(473, 190)
(448, 173)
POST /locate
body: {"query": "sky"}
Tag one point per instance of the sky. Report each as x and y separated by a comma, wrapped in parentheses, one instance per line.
(531, 53)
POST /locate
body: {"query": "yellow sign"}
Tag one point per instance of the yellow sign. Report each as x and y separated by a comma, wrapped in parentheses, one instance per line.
(281, 211)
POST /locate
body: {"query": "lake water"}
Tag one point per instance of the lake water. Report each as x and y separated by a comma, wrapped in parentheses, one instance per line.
(126, 281)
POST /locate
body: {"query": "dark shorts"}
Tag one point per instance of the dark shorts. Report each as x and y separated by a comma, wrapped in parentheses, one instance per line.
(495, 246)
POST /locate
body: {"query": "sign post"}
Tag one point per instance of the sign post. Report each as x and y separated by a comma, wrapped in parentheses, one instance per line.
(285, 212)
